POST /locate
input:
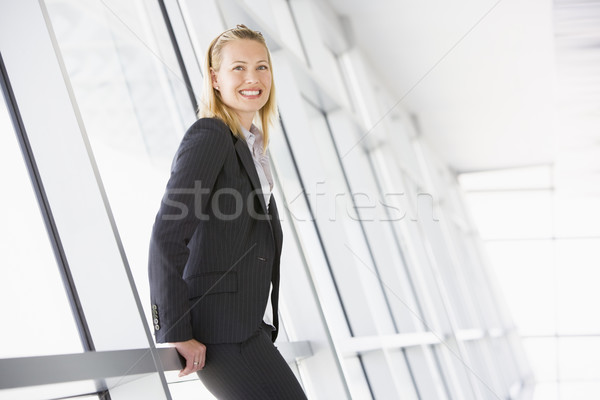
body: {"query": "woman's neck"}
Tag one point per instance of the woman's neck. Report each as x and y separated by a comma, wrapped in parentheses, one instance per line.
(246, 120)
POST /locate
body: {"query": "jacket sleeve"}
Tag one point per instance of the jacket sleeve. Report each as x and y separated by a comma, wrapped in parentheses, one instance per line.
(197, 163)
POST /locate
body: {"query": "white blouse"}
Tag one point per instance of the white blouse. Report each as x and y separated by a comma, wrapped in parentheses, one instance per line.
(254, 139)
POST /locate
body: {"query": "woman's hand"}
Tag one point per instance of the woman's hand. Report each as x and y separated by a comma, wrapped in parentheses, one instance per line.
(194, 353)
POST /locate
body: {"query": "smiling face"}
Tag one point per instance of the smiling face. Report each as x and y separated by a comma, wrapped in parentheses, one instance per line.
(243, 78)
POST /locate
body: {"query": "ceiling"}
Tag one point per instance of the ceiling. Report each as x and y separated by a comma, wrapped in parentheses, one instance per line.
(492, 83)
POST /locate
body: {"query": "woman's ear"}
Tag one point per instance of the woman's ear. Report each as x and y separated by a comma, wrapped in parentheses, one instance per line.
(213, 77)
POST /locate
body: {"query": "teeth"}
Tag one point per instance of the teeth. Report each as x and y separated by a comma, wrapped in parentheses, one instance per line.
(250, 92)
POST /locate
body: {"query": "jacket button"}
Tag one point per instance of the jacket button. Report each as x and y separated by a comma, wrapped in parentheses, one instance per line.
(156, 321)
(157, 327)
(154, 307)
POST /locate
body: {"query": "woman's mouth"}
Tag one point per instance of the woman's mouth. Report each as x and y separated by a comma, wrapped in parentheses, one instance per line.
(250, 93)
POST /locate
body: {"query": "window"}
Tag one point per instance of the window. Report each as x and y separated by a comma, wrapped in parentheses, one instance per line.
(37, 317)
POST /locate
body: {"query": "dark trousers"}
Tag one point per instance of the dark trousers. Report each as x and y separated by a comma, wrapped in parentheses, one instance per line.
(250, 370)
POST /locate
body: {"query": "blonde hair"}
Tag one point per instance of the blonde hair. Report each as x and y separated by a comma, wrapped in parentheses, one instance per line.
(212, 105)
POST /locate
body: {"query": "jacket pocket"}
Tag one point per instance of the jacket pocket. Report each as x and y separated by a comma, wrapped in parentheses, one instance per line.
(208, 283)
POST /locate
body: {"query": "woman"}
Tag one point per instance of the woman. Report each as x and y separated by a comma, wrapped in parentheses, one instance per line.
(216, 241)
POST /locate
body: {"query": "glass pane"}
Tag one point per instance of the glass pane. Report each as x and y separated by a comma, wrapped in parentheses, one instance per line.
(354, 371)
(519, 214)
(36, 314)
(422, 266)
(579, 390)
(577, 280)
(542, 354)
(397, 199)
(526, 274)
(134, 105)
(461, 309)
(473, 276)
(400, 150)
(504, 356)
(284, 21)
(489, 382)
(301, 220)
(400, 364)
(452, 367)
(320, 58)
(352, 265)
(368, 204)
(427, 376)
(576, 214)
(579, 358)
(546, 391)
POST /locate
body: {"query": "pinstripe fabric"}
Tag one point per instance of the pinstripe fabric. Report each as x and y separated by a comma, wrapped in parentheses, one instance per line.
(214, 247)
(251, 370)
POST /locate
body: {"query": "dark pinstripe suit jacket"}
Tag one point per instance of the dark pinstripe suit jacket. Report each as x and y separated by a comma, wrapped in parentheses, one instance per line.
(215, 246)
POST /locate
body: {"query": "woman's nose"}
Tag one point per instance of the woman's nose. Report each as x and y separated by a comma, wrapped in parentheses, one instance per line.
(251, 77)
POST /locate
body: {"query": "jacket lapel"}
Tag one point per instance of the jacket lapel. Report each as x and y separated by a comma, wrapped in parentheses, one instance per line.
(244, 154)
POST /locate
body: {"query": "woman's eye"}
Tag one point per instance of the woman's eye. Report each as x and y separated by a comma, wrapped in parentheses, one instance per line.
(238, 68)
(263, 67)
